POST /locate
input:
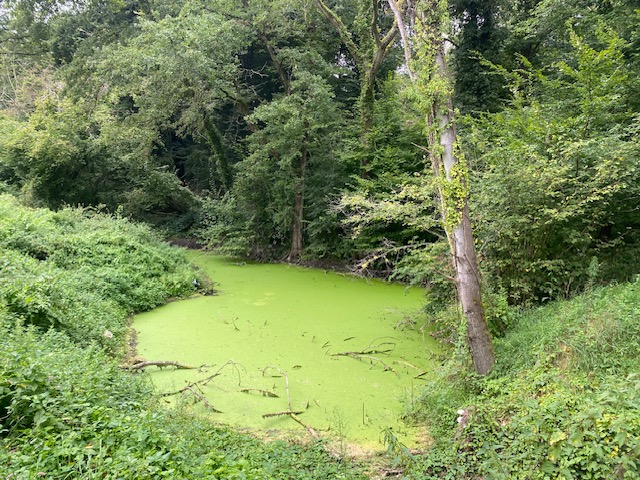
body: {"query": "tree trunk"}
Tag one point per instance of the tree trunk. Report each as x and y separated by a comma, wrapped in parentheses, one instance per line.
(298, 210)
(368, 66)
(222, 167)
(459, 231)
(453, 188)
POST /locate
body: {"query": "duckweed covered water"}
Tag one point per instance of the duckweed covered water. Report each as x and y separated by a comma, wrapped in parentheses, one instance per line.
(352, 350)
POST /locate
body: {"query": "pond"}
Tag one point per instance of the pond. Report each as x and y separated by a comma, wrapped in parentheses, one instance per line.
(348, 354)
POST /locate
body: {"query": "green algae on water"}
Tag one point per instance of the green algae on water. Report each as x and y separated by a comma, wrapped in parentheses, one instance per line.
(350, 351)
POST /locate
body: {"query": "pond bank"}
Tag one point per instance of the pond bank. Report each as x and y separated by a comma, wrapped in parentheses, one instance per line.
(347, 354)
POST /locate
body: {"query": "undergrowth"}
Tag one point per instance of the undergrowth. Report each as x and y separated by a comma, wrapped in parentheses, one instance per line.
(563, 401)
(68, 282)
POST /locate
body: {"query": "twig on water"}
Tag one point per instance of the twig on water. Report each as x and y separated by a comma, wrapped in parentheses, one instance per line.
(206, 380)
(286, 381)
(365, 356)
(265, 393)
(203, 399)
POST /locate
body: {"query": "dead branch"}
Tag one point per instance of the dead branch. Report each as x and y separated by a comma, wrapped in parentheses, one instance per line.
(366, 351)
(265, 393)
(291, 413)
(281, 414)
(286, 381)
(308, 428)
(203, 399)
(360, 356)
(203, 381)
(160, 364)
(410, 365)
(296, 418)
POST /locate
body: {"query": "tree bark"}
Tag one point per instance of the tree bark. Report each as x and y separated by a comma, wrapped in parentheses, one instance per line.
(216, 142)
(404, 37)
(460, 234)
(442, 141)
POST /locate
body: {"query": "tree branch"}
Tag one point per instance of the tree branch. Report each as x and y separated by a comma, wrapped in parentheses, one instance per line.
(344, 34)
(161, 364)
(403, 37)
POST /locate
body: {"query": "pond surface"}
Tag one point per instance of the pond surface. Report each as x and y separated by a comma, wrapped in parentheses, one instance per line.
(346, 352)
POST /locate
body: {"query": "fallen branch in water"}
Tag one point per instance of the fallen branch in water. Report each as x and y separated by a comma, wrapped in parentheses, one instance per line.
(282, 414)
(160, 364)
(203, 381)
(286, 382)
(410, 365)
(363, 356)
(291, 413)
(203, 399)
(265, 393)
(308, 428)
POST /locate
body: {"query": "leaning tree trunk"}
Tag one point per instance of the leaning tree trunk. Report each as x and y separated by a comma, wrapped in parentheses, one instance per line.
(453, 193)
(431, 75)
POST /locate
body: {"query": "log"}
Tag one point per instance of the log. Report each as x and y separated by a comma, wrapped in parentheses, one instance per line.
(281, 414)
(265, 393)
(161, 364)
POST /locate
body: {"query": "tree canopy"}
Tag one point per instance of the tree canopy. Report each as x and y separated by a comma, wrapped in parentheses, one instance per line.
(290, 129)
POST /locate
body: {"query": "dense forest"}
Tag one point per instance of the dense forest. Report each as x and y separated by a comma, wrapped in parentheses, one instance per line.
(396, 138)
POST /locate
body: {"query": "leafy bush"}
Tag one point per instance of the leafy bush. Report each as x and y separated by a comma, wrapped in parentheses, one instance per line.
(557, 180)
(562, 402)
(84, 273)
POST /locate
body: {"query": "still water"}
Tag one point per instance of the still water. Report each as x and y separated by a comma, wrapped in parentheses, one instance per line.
(347, 353)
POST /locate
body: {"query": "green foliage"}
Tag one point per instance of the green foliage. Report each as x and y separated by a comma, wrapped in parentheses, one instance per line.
(562, 401)
(82, 272)
(61, 156)
(554, 174)
(225, 227)
(294, 151)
